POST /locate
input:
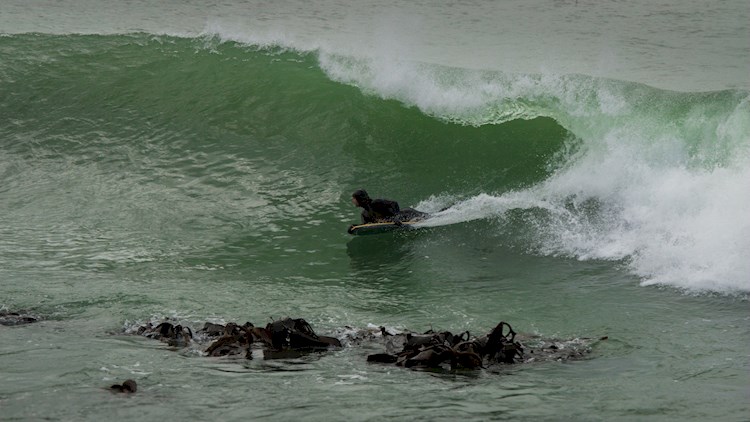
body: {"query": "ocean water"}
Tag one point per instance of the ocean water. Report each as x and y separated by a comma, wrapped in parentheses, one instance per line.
(587, 164)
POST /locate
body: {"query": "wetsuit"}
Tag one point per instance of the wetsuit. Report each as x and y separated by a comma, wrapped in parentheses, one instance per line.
(380, 210)
(384, 210)
(410, 214)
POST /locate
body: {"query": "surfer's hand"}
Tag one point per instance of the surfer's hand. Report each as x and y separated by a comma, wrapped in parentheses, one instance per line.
(350, 229)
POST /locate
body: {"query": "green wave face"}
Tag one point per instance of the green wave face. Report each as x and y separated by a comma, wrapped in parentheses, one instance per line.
(200, 132)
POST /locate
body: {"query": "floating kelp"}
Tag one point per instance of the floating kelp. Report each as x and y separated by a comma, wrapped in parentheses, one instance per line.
(275, 338)
(17, 317)
(129, 386)
(174, 335)
(288, 337)
(501, 346)
(435, 349)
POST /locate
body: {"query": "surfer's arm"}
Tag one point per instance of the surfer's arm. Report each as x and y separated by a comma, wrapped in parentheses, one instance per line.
(366, 217)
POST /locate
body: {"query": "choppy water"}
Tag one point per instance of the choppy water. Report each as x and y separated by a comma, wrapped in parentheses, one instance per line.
(196, 163)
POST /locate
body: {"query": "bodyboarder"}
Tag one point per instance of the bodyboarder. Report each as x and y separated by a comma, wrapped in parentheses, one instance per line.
(383, 210)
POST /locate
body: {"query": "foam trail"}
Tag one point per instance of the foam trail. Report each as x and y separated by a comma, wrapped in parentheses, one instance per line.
(480, 207)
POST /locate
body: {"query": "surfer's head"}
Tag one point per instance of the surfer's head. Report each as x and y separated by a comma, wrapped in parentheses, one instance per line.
(360, 198)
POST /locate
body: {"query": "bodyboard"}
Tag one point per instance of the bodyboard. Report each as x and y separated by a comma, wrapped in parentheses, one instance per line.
(378, 228)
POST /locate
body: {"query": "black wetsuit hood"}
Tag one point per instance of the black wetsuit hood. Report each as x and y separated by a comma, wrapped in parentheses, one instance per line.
(363, 199)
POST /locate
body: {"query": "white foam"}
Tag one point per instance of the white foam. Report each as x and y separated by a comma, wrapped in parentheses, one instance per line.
(648, 196)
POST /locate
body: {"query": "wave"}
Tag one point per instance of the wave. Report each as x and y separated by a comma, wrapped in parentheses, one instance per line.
(654, 178)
